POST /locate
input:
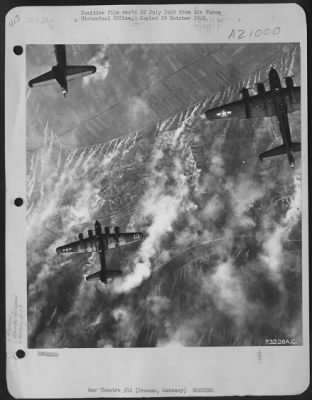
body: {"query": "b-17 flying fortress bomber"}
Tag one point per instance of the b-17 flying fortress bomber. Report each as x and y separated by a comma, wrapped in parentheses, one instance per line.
(62, 72)
(277, 101)
(100, 242)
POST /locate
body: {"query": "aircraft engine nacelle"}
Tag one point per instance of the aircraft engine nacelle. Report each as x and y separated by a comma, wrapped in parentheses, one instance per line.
(260, 88)
(80, 236)
(107, 230)
(117, 230)
(90, 233)
(290, 87)
(245, 95)
(289, 82)
(261, 92)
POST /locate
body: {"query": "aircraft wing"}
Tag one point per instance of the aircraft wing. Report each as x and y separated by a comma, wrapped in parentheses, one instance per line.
(124, 239)
(90, 245)
(253, 107)
(257, 106)
(77, 71)
(43, 79)
(86, 245)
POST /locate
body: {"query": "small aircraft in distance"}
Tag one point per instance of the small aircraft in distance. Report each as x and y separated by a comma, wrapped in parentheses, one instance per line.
(61, 72)
(277, 101)
(101, 242)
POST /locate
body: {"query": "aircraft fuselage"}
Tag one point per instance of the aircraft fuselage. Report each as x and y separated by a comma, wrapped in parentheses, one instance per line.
(59, 68)
(102, 248)
(60, 54)
(280, 106)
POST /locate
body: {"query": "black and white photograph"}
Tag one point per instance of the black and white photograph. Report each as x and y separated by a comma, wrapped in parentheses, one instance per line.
(163, 195)
(157, 240)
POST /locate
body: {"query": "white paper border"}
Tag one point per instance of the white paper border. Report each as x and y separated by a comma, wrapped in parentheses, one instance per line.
(228, 370)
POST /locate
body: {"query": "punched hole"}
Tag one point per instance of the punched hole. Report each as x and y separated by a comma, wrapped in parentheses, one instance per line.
(18, 201)
(18, 50)
(20, 353)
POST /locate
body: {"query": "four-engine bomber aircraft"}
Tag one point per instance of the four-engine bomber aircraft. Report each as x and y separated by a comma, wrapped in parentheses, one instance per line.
(100, 242)
(278, 101)
(61, 72)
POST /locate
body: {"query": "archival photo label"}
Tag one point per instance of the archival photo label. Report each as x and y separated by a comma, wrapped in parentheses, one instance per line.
(160, 191)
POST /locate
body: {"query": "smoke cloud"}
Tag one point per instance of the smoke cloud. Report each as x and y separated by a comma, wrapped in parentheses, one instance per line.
(102, 64)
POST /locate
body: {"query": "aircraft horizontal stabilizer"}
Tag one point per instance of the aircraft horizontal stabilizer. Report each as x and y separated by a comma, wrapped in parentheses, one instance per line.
(112, 273)
(93, 277)
(44, 79)
(273, 152)
(77, 71)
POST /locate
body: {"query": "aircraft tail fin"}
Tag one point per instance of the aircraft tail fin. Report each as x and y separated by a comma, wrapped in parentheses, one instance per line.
(296, 146)
(273, 152)
(78, 71)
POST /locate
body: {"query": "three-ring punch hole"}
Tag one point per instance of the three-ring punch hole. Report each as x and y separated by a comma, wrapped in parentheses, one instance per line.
(18, 202)
(18, 50)
(20, 353)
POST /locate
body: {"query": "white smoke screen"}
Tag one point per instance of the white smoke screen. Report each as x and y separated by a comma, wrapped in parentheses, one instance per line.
(220, 263)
